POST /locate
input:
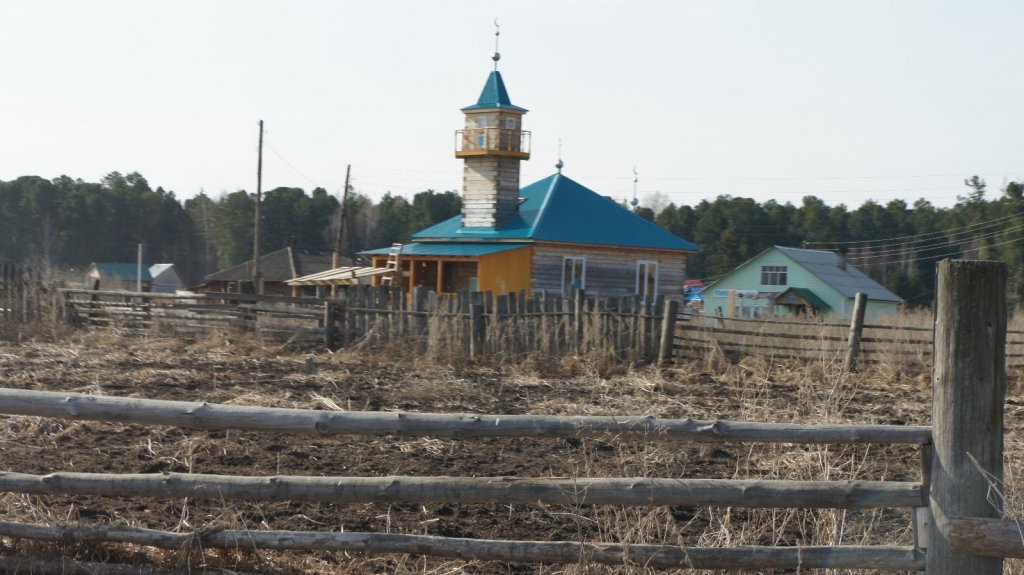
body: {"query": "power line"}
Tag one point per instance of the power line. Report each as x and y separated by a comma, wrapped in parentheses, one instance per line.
(947, 232)
(289, 164)
(811, 178)
(959, 251)
(937, 245)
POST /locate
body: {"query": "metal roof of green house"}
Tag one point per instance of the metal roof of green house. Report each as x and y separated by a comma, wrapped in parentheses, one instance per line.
(449, 249)
(494, 96)
(122, 271)
(558, 209)
(842, 277)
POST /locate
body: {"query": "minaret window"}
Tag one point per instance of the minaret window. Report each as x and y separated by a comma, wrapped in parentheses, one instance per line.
(510, 123)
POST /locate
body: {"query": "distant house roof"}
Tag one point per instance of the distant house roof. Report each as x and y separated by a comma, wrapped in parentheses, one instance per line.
(830, 268)
(121, 271)
(558, 209)
(449, 249)
(279, 266)
(156, 269)
(494, 96)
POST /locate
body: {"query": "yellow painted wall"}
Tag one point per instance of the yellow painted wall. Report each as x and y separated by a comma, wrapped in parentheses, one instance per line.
(505, 272)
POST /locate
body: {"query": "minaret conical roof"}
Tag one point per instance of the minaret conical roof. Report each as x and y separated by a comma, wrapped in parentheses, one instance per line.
(494, 96)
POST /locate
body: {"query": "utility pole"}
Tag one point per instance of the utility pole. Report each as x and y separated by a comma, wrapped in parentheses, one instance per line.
(138, 270)
(339, 237)
(257, 277)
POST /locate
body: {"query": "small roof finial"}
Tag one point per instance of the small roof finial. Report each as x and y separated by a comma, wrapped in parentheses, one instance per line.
(636, 178)
(497, 55)
(559, 163)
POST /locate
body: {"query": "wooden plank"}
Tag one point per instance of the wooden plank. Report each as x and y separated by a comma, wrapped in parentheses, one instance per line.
(968, 393)
(505, 551)
(202, 415)
(632, 491)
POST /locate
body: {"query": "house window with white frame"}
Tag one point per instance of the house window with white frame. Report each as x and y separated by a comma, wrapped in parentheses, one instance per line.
(574, 274)
(647, 278)
(773, 275)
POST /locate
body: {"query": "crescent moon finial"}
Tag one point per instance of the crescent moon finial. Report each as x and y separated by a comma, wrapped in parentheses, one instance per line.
(497, 55)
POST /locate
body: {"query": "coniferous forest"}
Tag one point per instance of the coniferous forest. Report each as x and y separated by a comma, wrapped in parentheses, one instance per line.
(67, 223)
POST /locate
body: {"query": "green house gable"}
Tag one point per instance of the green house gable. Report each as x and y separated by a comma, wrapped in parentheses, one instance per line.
(783, 281)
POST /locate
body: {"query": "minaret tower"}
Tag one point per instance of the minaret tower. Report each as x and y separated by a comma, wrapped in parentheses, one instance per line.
(492, 144)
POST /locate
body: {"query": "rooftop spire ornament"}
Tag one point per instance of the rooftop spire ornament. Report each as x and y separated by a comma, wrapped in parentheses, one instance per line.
(559, 163)
(497, 55)
(636, 178)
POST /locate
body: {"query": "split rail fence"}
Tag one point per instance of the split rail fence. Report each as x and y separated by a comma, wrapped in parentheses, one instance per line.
(956, 527)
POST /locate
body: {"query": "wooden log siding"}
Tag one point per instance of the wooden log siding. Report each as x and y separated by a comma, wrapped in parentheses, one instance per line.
(610, 271)
(202, 415)
(563, 552)
(630, 491)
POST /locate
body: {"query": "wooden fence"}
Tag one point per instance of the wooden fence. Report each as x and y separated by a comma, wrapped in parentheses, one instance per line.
(628, 329)
(698, 337)
(24, 296)
(956, 527)
(468, 323)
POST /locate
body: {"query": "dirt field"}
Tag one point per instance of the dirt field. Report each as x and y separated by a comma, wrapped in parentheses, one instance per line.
(244, 372)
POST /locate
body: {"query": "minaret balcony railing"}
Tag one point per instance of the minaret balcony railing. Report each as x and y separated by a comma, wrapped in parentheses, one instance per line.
(492, 142)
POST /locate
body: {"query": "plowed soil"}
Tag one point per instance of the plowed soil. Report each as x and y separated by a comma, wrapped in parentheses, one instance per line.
(247, 373)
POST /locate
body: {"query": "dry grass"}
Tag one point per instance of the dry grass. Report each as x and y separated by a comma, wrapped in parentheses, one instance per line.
(234, 368)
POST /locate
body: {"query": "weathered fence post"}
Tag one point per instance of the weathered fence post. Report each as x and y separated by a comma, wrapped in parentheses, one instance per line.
(330, 341)
(860, 303)
(477, 330)
(969, 386)
(668, 331)
(419, 308)
(577, 318)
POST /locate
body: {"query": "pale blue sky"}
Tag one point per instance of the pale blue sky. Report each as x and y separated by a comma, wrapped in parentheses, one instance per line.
(843, 100)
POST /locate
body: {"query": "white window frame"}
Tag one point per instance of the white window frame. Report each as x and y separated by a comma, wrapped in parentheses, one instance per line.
(780, 273)
(646, 264)
(583, 268)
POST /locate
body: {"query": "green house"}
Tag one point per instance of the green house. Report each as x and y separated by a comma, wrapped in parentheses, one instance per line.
(784, 281)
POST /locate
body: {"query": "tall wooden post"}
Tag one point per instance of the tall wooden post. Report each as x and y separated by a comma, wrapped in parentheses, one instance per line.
(969, 387)
(330, 340)
(477, 330)
(339, 237)
(577, 316)
(257, 275)
(668, 331)
(860, 304)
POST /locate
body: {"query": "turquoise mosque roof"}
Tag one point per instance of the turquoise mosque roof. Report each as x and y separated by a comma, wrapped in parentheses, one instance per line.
(494, 96)
(558, 209)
